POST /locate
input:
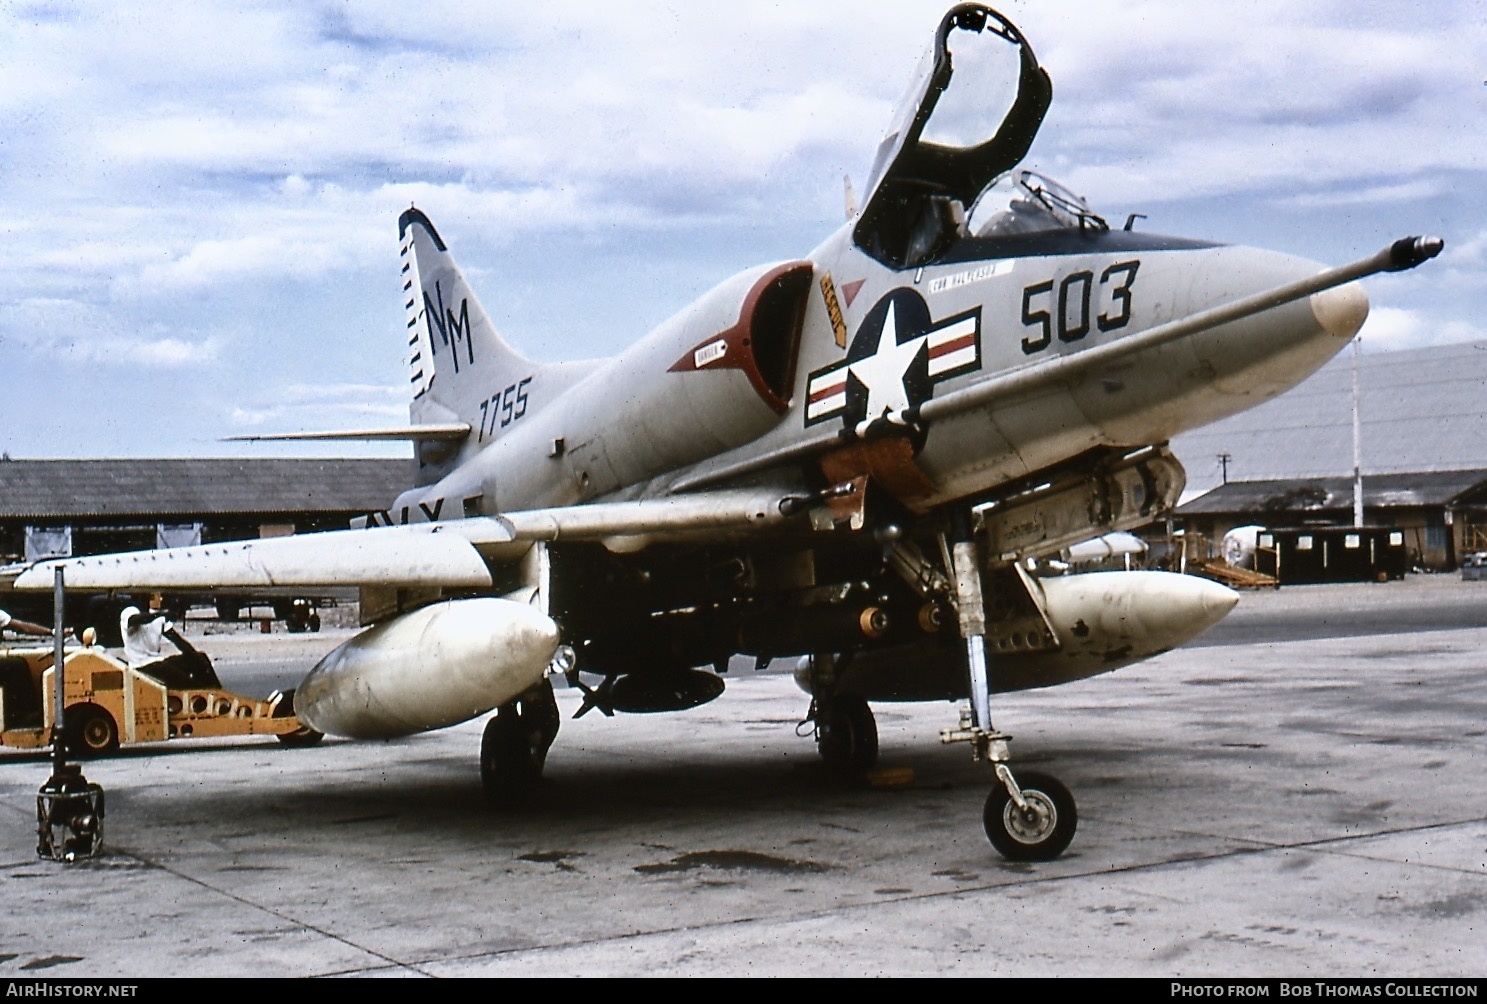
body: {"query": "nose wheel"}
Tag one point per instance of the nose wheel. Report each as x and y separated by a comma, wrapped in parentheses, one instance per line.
(1030, 820)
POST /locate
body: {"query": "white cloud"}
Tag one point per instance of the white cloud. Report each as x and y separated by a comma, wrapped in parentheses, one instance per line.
(172, 352)
(176, 173)
(335, 393)
(371, 412)
(70, 333)
(296, 407)
(1469, 254)
(1390, 328)
(149, 354)
(1407, 191)
(210, 263)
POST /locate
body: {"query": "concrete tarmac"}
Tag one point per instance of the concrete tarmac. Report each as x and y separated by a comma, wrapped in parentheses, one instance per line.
(1278, 805)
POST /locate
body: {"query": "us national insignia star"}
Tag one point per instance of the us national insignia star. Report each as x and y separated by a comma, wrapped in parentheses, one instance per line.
(896, 357)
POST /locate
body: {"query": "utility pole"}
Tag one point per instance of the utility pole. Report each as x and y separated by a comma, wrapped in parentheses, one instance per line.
(1357, 441)
(1224, 459)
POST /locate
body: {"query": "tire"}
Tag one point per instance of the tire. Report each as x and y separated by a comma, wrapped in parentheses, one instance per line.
(303, 736)
(1041, 836)
(514, 748)
(90, 731)
(847, 736)
(510, 762)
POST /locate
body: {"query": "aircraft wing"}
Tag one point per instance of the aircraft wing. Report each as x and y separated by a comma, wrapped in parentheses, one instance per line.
(449, 553)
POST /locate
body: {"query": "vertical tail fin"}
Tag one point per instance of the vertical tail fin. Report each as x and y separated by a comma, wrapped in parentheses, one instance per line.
(451, 340)
(461, 369)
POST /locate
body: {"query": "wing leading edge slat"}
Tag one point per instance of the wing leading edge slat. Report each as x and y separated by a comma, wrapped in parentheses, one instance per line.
(453, 553)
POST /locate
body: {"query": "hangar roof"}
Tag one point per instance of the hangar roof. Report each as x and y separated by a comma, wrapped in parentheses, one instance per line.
(78, 489)
(1434, 488)
(1420, 410)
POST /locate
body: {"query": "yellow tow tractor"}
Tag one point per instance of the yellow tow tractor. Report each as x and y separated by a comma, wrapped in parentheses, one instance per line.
(109, 705)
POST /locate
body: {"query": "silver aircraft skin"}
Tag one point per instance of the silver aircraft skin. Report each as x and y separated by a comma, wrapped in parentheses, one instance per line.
(847, 460)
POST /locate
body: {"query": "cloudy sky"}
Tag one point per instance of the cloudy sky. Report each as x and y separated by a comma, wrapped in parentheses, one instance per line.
(200, 199)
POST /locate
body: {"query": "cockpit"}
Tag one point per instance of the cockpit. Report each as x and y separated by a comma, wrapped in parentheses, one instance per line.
(1026, 202)
(945, 170)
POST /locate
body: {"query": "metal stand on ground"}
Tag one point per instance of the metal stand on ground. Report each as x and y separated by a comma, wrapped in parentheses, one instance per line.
(69, 809)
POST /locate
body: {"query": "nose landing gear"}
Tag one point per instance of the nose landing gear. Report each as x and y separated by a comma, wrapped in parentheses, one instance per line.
(1029, 821)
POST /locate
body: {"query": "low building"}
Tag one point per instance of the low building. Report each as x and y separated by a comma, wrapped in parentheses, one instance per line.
(67, 508)
(1442, 514)
(76, 507)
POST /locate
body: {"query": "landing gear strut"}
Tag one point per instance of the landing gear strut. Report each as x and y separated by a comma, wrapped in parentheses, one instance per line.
(1029, 821)
(514, 747)
(847, 736)
(846, 732)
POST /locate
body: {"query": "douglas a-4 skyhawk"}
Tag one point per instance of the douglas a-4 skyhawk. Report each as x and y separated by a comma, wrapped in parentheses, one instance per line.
(845, 460)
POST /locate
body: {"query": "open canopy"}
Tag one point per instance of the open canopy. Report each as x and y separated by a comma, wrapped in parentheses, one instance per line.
(970, 115)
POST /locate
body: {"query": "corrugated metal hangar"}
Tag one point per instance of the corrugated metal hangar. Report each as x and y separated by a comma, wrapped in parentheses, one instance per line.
(1422, 421)
(1420, 410)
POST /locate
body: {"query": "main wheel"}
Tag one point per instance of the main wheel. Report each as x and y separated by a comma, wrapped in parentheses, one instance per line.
(1040, 832)
(514, 747)
(302, 736)
(90, 731)
(847, 736)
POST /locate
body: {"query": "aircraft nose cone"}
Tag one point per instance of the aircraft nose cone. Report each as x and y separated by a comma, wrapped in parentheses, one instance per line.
(1341, 310)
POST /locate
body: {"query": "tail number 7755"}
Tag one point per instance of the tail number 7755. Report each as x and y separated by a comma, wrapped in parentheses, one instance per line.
(505, 406)
(1066, 306)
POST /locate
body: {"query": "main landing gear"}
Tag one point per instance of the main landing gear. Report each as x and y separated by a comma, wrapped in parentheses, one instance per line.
(846, 732)
(514, 747)
(847, 736)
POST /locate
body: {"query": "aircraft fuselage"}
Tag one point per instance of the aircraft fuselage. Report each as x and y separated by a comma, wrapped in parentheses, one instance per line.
(688, 404)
